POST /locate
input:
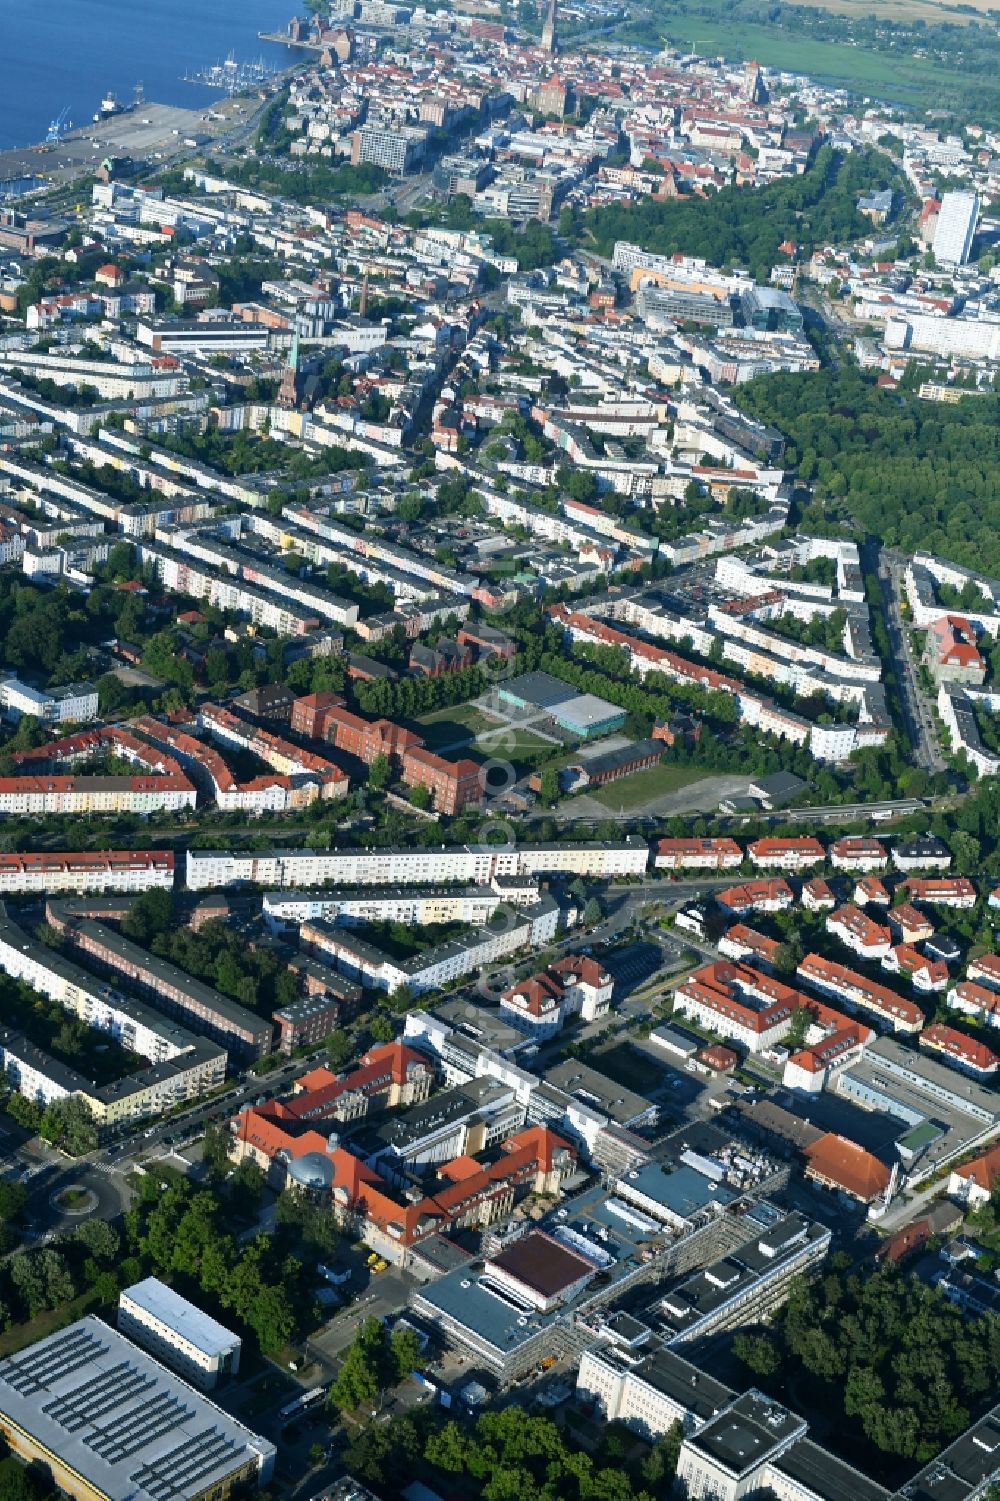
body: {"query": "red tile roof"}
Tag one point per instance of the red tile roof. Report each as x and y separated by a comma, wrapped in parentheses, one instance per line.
(843, 1164)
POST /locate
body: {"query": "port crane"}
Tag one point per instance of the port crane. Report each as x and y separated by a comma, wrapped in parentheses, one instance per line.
(60, 124)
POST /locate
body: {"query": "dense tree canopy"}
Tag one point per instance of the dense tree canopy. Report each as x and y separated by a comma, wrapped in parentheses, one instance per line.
(899, 1361)
(744, 226)
(917, 474)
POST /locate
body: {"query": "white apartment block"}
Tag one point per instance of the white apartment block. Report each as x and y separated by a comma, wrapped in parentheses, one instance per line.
(956, 228)
(795, 653)
(476, 904)
(200, 581)
(468, 865)
(113, 870)
(441, 967)
(364, 546)
(786, 854)
(697, 854)
(136, 1026)
(857, 931)
(39, 795)
(33, 1073)
(72, 704)
(178, 1333)
(858, 853)
(856, 990)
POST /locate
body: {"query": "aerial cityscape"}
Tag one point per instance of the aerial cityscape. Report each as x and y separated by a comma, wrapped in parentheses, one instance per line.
(500, 753)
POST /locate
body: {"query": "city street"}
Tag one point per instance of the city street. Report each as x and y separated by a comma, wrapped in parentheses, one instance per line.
(920, 721)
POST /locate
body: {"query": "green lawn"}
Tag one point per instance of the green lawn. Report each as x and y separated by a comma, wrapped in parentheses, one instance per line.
(644, 786)
(524, 748)
(464, 714)
(897, 76)
(453, 726)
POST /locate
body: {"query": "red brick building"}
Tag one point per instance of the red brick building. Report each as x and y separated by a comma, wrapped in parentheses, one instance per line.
(452, 784)
(309, 713)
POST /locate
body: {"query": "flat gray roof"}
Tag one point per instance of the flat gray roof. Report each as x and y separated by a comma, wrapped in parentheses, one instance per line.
(683, 1191)
(129, 1427)
(182, 1317)
(746, 1432)
(598, 1090)
(826, 1475)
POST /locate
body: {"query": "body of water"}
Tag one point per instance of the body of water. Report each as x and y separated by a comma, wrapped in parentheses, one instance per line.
(57, 54)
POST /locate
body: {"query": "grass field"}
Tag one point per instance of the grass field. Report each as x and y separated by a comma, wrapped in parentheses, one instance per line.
(19, 1335)
(483, 738)
(897, 77)
(524, 748)
(904, 12)
(644, 786)
(452, 726)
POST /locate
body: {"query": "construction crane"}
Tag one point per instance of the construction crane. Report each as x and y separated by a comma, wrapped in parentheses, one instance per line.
(60, 124)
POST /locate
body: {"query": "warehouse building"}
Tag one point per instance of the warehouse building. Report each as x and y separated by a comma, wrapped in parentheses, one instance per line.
(582, 715)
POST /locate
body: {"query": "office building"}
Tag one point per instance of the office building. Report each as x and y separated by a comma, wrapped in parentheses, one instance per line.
(178, 1332)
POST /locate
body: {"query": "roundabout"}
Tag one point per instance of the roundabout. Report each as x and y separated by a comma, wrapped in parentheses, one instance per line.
(74, 1199)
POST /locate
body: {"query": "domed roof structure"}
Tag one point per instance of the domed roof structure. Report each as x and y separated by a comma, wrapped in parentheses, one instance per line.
(312, 1171)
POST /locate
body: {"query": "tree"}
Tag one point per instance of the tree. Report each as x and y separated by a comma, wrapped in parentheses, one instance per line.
(247, 1184)
(797, 1027)
(548, 790)
(150, 916)
(400, 998)
(69, 1124)
(758, 1353)
(100, 1239)
(787, 957)
(215, 1149)
(660, 1465)
(405, 1352)
(361, 1377)
(420, 796)
(216, 668)
(446, 1449)
(13, 1201)
(25, 1112)
(379, 772)
(410, 507)
(28, 1282)
(271, 1317)
(339, 1048)
(592, 912)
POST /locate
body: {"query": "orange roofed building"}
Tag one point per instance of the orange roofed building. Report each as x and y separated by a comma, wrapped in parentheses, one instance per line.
(393, 1220)
(835, 1162)
(975, 1181)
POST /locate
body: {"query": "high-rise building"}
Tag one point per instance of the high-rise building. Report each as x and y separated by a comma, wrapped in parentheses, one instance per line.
(399, 149)
(956, 228)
